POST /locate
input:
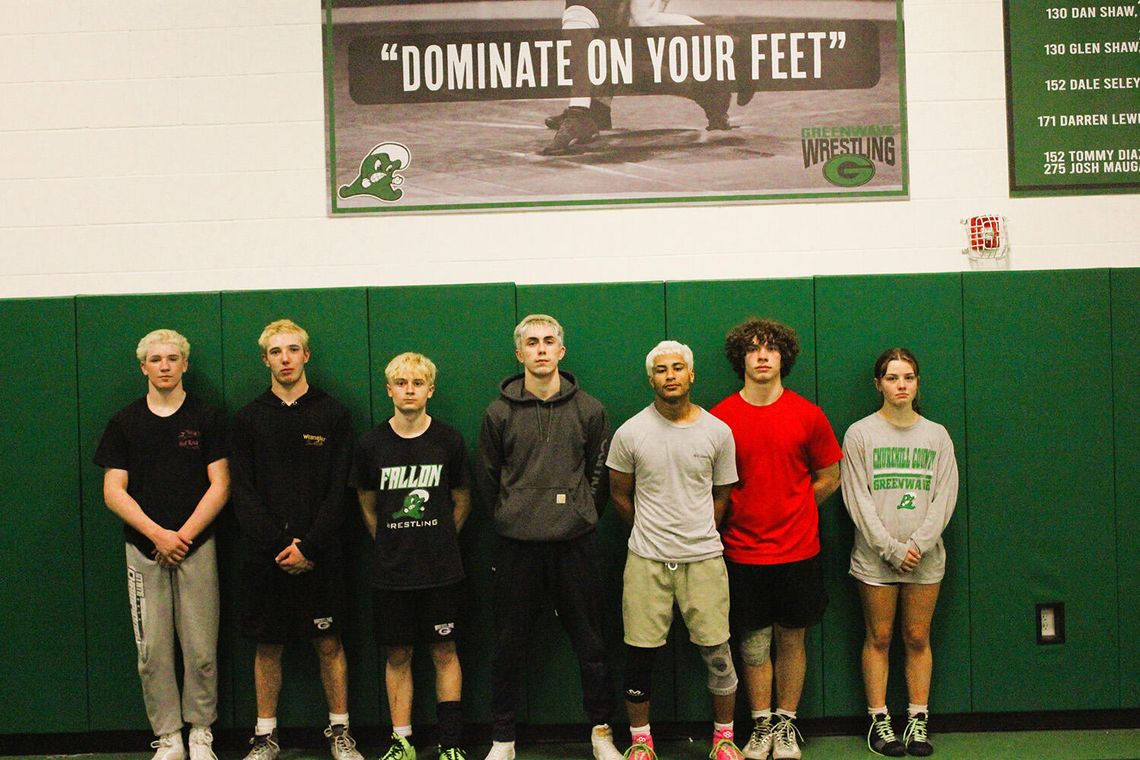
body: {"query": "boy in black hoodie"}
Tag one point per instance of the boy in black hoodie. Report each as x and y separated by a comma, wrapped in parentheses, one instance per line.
(292, 448)
(542, 453)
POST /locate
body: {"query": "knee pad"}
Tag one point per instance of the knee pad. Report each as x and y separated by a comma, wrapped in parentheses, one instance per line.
(722, 673)
(638, 673)
(579, 17)
(756, 646)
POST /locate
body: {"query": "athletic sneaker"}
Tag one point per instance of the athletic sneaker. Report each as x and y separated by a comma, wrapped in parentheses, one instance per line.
(451, 753)
(600, 111)
(202, 744)
(914, 737)
(759, 745)
(881, 737)
(723, 748)
(784, 739)
(577, 128)
(169, 747)
(401, 749)
(501, 751)
(641, 749)
(341, 744)
(263, 747)
(602, 742)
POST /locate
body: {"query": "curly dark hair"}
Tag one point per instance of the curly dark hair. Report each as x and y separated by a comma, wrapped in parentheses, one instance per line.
(760, 332)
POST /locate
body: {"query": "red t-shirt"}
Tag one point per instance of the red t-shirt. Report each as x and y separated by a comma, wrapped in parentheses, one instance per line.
(773, 518)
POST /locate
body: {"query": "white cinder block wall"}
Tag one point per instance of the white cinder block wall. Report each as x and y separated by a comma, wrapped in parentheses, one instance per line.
(164, 145)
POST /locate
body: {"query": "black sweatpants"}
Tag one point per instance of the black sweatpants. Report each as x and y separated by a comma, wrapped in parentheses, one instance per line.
(530, 576)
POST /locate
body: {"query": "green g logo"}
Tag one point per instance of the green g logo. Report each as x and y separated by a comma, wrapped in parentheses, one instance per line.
(849, 170)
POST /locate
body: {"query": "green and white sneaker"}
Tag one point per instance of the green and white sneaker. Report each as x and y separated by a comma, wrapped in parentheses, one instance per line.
(401, 749)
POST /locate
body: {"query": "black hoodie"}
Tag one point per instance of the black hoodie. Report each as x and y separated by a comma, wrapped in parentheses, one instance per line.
(542, 463)
(289, 473)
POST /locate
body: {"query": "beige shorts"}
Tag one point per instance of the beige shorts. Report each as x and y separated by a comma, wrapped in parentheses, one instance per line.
(650, 588)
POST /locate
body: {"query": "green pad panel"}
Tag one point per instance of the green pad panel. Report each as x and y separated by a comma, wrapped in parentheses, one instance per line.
(857, 318)
(609, 329)
(42, 648)
(1040, 481)
(108, 331)
(471, 362)
(1126, 404)
(700, 314)
(336, 320)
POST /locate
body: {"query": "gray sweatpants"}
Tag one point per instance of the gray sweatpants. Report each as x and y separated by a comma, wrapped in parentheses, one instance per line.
(182, 601)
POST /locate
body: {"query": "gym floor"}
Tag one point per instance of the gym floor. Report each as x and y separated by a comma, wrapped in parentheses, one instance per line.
(1093, 744)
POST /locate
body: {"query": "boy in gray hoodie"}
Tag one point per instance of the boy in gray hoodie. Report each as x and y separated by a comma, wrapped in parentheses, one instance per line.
(542, 453)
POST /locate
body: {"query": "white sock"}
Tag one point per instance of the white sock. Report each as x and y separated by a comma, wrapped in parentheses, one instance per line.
(338, 719)
(265, 726)
(782, 713)
(873, 711)
(636, 731)
(762, 714)
(913, 710)
(404, 731)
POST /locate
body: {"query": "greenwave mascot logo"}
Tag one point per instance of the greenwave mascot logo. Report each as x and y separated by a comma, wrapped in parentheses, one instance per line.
(413, 505)
(379, 173)
(849, 155)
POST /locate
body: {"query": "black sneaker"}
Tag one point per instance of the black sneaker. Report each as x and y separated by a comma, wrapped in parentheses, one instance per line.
(881, 737)
(577, 129)
(599, 111)
(915, 737)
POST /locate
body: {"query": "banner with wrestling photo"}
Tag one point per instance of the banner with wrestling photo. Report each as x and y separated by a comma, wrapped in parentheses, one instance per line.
(501, 104)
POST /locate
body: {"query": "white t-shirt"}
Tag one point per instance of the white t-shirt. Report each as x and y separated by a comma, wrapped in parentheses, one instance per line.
(675, 467)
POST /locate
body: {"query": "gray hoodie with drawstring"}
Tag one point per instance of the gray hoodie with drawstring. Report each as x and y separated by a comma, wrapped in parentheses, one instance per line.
(541, 464)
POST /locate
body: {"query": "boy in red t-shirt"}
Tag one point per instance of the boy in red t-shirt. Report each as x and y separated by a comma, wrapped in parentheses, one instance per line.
(788, 461)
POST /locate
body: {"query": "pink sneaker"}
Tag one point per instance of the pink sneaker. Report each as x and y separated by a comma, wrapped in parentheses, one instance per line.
(641, 749)
(723, 748)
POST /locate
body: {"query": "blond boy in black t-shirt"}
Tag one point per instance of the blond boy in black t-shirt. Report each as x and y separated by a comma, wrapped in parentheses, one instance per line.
(412, 479)
(166, 477)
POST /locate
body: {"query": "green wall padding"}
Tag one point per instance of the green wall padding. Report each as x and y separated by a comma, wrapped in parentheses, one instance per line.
(1126, 404)
(1047, 452)
(43, 654)
(857, 318)
(700, 313)
(466, 331)
(607, 356)
(337, 323)
(108, 331)
(1040, 478)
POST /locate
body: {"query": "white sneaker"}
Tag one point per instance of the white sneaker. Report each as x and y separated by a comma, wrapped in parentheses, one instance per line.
(602, 742)
(341, 744)
(202, 744)
(501, 751)
(169, 747)
(759, 744)
(784, 744)
(263, 747)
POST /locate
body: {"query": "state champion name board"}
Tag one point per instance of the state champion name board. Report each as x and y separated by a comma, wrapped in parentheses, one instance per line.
(438, 106)
(1073, 97)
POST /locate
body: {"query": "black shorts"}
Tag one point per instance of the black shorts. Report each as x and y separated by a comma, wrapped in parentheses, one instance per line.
(278, 608)
(404, 617)
(791, 594)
